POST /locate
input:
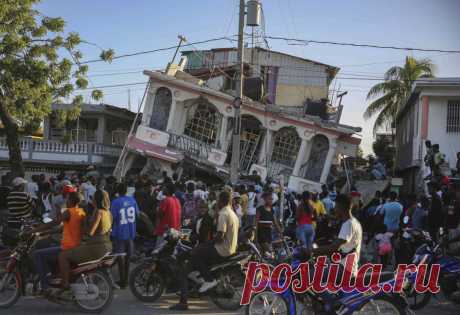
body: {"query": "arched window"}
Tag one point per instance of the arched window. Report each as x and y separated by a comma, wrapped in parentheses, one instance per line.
(318, 154)
(286, 146)
(250, 142)
(203, 123)
(161, 108)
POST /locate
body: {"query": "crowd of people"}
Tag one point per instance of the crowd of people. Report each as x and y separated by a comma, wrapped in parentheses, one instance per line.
(100, 215)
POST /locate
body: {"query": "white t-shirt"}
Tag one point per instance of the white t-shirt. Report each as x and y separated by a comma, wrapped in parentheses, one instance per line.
(352, 233)
(88, 191)
(200, 194)
(32, 189)
(251, 203)
(239, 212)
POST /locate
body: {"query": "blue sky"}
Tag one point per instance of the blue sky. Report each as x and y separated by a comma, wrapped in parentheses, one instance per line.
(138, 25)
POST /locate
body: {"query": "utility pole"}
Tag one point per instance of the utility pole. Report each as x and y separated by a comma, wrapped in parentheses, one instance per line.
(129, 99)
(182, 39)
(340, 107)
(235, 163)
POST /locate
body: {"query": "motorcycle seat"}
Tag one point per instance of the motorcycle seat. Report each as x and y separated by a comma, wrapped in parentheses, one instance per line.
(228, 261)
(107, 256)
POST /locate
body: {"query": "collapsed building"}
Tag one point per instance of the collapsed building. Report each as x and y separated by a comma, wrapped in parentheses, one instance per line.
(288, 128)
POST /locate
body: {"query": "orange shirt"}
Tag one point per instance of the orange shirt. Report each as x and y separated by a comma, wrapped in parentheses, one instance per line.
(71, 237)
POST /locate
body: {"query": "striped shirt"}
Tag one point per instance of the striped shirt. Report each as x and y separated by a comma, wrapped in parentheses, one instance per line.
(19, 207)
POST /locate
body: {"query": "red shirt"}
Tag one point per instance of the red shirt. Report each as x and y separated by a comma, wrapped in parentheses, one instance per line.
(303, 217)
(170, 213)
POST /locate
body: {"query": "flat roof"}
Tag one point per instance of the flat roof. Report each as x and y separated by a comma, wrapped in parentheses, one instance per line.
(96, 108)
(418, 85)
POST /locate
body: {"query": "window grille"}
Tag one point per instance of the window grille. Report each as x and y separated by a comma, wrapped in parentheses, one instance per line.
(286, 146)
(453, 116)
(204, 124)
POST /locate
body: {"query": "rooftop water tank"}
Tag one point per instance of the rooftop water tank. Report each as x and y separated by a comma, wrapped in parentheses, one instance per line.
(254, 8)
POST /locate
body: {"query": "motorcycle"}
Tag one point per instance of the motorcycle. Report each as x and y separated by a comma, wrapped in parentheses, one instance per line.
(268, 302)
(91, 283)
(449, 278)
(159, 273)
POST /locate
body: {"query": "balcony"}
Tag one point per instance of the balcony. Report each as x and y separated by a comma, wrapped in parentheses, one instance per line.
(56, 152)
(197, 149)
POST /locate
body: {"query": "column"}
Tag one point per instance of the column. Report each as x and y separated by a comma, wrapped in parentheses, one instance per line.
(90, 152)
(266, 147)
(46, 128)
(100, 129)
(300, 157)
(223, 133)
(171, 117)
(328, 163)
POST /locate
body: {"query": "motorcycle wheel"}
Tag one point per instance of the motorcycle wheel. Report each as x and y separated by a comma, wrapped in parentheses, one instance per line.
(232, 287)
(145, 284)
(267, 302)
(11, 291)
(383, 305)
(105, 293)
(417, 301)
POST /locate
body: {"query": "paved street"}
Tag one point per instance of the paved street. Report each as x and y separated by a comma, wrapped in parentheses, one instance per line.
(124, 303)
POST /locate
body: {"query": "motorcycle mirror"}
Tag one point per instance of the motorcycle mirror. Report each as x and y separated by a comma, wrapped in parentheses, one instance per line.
(406, 219)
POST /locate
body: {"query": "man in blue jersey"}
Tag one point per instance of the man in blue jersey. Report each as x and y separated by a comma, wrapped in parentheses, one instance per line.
(124, 211)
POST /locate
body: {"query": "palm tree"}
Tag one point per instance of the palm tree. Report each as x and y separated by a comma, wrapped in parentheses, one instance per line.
(393, 92)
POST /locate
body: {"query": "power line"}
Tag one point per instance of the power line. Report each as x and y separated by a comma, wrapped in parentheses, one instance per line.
(389, 61)
(112, 86)
(159, 49)
(114, 73)
(307, 41)
(173, 79)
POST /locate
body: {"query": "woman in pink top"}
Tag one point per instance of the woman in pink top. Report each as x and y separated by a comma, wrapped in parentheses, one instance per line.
(304, 231)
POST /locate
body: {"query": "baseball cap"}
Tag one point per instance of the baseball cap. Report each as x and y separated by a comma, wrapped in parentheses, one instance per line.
(18, 181)
(68, 189)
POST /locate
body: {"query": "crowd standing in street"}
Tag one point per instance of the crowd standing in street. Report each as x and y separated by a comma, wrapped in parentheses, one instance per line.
(111, 215)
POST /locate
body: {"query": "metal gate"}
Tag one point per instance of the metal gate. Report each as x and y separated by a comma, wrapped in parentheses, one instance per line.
(249, 146)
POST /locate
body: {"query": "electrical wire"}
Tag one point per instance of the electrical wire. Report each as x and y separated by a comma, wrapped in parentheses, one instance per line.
(160, 49)
(173, 79)
(308, 41)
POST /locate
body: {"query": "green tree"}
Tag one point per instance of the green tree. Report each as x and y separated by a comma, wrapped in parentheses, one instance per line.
(33, 74)
(384, 149)
(392, 93)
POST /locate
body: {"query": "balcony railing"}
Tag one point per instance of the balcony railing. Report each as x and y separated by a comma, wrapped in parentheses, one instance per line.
(52, 150)
(190, 145)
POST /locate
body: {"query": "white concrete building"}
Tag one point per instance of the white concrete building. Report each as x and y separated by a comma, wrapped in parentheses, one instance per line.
(432, 112)
(187, 125)
(95, 138)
